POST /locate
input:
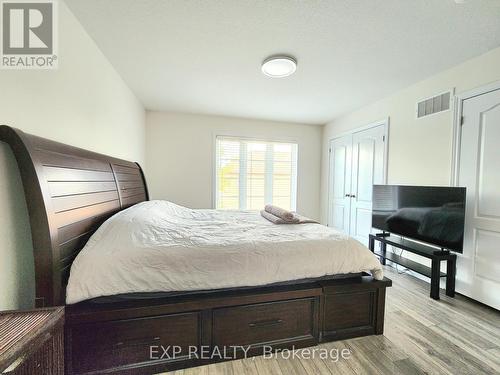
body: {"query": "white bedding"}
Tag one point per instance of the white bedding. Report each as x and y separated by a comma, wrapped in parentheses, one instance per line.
(158, 246)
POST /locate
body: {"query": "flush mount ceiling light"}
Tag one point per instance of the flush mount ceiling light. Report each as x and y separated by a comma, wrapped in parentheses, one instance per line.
(279, 66)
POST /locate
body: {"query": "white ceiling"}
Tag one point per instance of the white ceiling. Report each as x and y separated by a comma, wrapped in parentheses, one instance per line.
(204, 56)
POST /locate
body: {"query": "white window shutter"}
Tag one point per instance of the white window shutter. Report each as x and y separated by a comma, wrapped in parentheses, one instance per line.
(251, 174)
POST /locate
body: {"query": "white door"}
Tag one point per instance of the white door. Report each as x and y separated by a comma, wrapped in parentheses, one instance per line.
(368, 168)
(340, 183)
(357, 161)
(478, 269)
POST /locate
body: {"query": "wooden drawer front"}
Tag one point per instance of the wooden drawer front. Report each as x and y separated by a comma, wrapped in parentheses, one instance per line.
(263, 323)
(122, 342)
(348, 312)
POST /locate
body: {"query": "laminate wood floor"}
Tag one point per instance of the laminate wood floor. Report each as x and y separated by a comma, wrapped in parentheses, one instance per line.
(422, 336)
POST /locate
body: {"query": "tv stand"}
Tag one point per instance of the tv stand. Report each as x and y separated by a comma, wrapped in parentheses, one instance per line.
(435, 255)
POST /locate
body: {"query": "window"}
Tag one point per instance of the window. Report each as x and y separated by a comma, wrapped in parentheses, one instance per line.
(251, 174)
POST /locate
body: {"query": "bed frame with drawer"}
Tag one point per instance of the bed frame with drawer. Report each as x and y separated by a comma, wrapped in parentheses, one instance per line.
(70, 192)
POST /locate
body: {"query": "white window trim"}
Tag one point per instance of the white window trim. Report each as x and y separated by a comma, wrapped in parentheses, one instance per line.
(214, 185)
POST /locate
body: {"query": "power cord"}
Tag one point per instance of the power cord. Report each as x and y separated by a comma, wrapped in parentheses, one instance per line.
(395, 265)
(404, 270)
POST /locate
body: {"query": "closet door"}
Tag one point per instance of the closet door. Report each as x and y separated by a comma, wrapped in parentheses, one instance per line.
(368, 168)
(340, 183)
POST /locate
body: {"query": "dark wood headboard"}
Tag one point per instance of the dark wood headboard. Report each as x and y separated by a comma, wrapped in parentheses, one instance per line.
(70, 192)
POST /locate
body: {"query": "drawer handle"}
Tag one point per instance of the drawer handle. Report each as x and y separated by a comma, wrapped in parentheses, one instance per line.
(265, 323)
(142, 341)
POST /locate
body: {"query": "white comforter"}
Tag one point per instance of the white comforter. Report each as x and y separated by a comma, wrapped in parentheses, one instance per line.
(158, 246)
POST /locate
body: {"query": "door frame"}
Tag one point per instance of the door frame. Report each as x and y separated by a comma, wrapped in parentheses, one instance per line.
(386, 123)
(458, 121)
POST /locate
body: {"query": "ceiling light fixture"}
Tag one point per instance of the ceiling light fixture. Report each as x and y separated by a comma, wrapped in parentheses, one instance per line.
(279, 66)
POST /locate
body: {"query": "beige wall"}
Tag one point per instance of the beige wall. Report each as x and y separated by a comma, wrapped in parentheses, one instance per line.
(180, 156)
(84, 103)
(420, 151)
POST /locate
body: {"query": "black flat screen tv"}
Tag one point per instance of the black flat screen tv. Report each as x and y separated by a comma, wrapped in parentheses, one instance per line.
(435, 215)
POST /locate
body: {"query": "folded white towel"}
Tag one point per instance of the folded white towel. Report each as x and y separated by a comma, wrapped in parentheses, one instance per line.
(276, 219)
(298, 219)
(304, 220)
(279, 212)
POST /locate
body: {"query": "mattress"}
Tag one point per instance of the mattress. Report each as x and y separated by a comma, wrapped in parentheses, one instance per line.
(158, 246)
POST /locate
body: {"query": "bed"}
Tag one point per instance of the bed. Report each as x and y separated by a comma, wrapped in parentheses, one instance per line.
(73, 195)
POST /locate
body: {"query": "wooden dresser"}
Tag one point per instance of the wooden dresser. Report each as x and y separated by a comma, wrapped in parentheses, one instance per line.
(32, 342)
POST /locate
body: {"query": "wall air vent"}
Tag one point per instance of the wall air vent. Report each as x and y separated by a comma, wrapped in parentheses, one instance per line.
(436, 104)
